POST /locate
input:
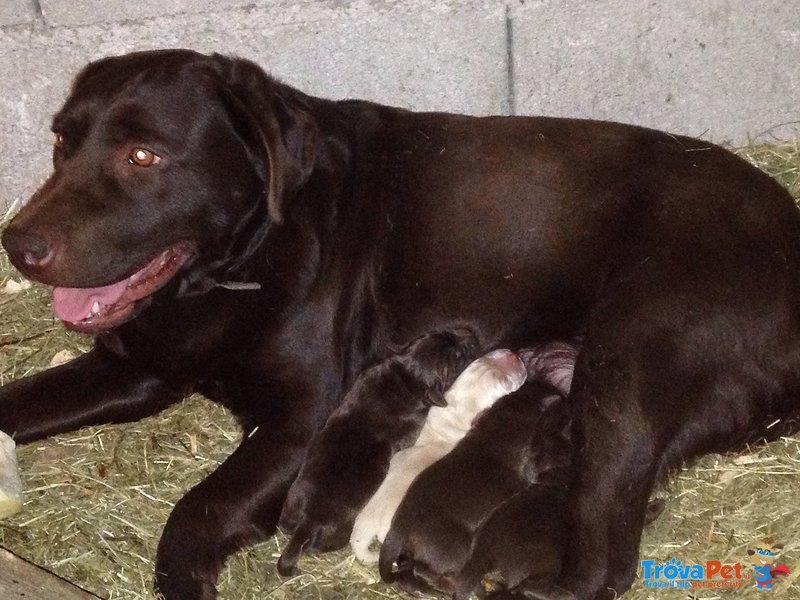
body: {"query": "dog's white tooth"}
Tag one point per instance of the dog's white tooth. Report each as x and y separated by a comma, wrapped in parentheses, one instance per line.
(95, 308)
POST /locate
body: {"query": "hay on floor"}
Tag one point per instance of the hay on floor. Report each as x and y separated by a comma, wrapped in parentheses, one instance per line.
(97, 499)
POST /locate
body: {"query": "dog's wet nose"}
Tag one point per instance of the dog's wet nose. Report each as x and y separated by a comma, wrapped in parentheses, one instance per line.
(29, 252)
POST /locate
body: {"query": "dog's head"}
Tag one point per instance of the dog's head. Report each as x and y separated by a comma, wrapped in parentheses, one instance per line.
(163, 162)
(485, 380)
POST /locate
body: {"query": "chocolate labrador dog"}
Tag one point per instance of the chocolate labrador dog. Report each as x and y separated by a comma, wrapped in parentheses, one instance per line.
(220, 232)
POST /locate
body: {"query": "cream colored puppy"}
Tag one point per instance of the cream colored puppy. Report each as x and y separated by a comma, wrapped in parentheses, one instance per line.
(484, 381)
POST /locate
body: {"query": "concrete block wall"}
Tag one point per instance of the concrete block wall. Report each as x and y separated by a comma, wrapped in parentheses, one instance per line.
(720, 69)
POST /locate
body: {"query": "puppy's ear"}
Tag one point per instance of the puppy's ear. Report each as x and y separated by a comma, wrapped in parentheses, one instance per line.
(438, 379)
(277, 119)
(435, 397)
(447, 366)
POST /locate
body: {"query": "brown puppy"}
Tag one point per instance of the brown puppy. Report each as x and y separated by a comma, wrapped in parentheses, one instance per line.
(524, 435)
(524, 538)
(524, 541)
(381, 414)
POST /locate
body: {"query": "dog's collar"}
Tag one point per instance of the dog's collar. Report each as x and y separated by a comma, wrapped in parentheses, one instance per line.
(239, 285)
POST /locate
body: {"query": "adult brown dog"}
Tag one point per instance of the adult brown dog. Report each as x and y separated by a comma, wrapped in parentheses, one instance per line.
(220, 232)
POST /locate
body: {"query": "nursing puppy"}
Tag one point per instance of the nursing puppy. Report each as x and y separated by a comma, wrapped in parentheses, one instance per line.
(381, 414)
(517, 442)
(484, 381)
(524, 540)
(524, 537)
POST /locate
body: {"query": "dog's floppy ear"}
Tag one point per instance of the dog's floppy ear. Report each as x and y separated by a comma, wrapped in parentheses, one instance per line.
(275, 118)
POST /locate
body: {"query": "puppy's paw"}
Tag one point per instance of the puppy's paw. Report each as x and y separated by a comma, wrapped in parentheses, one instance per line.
(287, 563)
(310, 538)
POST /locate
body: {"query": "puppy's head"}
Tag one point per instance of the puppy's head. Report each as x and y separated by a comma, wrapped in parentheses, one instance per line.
(550, 449)
(435, 360)
(485, 380)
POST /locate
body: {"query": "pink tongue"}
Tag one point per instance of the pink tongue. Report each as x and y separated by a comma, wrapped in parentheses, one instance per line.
(75, 304)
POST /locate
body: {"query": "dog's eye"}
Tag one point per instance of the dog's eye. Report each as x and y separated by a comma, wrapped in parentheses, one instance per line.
(58, 140)
(143, 157)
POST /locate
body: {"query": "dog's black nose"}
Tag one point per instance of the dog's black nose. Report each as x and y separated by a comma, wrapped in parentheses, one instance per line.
(28, 252)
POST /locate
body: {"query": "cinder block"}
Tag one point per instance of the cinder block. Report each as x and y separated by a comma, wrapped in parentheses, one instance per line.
(434, 56)
(427, 61)
(718, 69)
(86, 12)
(16, 12)
(34, 81)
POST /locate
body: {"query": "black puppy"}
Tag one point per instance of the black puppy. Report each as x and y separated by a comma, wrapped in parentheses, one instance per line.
(381, 414)
(524, 435)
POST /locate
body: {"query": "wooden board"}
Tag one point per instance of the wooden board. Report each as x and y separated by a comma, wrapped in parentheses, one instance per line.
(21, 580)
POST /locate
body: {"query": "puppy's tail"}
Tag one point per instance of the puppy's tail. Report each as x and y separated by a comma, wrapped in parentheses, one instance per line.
(390, 554)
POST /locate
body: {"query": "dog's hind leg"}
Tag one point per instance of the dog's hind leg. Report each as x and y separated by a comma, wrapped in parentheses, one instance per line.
(664, 377)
